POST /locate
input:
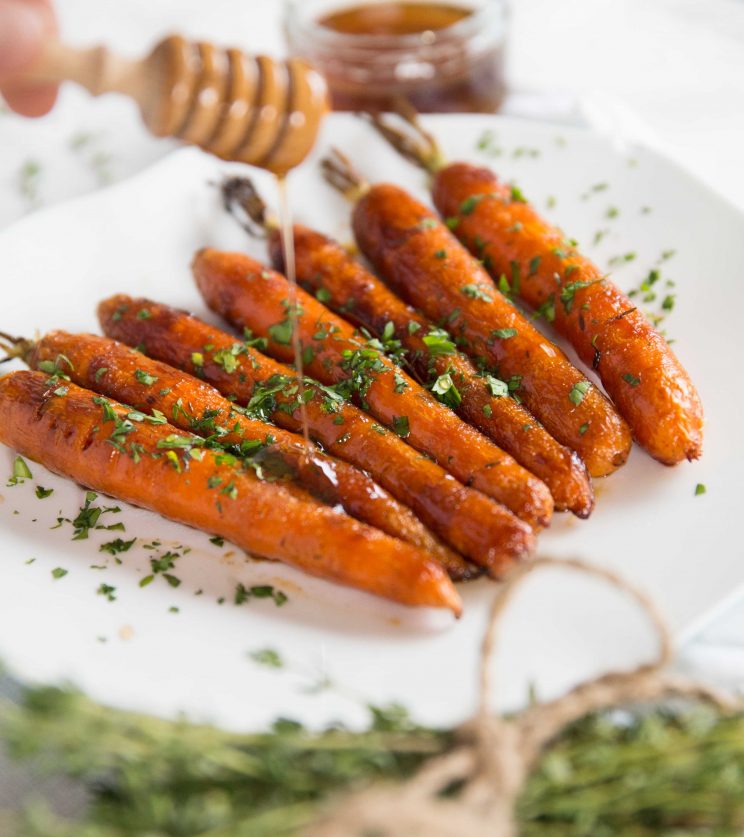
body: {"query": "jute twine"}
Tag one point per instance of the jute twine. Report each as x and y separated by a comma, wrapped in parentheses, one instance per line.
(495, 755)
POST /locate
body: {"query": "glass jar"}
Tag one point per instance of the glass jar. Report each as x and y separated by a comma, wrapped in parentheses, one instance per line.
(442, 56)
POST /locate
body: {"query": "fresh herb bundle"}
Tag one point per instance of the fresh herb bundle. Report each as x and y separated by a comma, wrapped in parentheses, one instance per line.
(648, 772)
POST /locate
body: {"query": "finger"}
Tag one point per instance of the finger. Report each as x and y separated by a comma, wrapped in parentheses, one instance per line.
(22, 32)
(24, 28)
(30, 100)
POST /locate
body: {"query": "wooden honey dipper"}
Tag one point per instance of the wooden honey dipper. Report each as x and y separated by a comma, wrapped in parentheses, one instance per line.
(250, 109)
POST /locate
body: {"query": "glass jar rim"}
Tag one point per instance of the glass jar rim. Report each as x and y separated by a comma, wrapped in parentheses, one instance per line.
(324, 35)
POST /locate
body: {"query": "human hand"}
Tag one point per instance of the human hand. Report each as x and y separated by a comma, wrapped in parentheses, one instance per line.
(25, 25)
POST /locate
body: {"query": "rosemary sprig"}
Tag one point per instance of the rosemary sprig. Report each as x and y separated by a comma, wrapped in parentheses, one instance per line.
(649, 772)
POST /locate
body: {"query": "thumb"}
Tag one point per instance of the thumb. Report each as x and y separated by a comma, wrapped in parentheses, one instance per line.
(23, 28)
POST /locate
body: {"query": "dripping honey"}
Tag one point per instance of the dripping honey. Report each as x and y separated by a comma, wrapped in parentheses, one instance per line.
(286, 231)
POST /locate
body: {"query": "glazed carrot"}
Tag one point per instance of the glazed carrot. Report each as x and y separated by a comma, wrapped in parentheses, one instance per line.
(250, 296)
(423, 262)
(67, 431)
(114, 370)
(325, 269)
(637, 367)
(466, 519)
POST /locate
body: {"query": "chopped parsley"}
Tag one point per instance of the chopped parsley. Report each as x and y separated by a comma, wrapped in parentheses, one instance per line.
(578, 391)
(117, 546)
(217, 540)
(504, 333)
(568, 292)
(228, 358)
(262, 591)
(427, 223)
(107, 591)
(584, 427)
(546, 310)
(517, 195)
(145, 377)
(467, 207)
(21, 472)
(59, 572)
(281, 332)
(362, 366)
(631, 379)
(401, 426)
(439, 343)
(496, 387)
(534, 265)
(42, 492)
(623, 258)
(400, 382)
(323, 295)
(89, 515)
(700, 489)
(267, 657)
(515, 277)
(472, 291)
(487, 410)
(440, 254)
(446, 391)
(413, 327)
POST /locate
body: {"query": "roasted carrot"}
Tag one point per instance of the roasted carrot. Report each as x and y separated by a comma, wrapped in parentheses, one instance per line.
(68, 430)
(637, 367)
(422, 261)
(250, 296)
(326, 269)
(469, 521)
(114, 370)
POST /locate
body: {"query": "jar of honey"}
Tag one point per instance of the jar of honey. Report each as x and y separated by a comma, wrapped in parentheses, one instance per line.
(441, 56)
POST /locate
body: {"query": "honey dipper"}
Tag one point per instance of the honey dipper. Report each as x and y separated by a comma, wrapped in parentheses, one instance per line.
(250, 109)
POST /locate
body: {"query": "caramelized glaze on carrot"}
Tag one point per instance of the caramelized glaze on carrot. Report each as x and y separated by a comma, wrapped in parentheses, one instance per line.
(113, 369)
(250, 296)
(467, 520)
(637, 367)
(423, 262)
(329, 272)
(64, 429)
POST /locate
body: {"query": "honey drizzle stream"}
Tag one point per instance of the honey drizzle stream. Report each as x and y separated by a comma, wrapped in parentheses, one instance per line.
(287, 236)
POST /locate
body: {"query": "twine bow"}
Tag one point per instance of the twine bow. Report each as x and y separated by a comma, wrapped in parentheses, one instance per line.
(495, 755)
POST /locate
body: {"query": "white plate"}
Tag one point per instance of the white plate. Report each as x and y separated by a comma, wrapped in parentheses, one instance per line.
(138, 237)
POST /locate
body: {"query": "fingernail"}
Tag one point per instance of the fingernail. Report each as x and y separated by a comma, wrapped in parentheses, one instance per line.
(22, 33)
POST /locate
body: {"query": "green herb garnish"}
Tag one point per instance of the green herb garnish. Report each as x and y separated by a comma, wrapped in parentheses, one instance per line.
(401, 426)
(21, 472)
(472, 291)
(504, 333)
(578, 391)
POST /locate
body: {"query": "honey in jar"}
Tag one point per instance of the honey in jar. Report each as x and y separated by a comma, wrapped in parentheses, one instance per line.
(442, 57)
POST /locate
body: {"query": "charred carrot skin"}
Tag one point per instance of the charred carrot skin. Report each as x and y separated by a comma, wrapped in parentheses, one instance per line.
(423, 262)
(248, 295)
(638, 369)
(114, 370)
(325, 269)
(467, 520)
(69, 434)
